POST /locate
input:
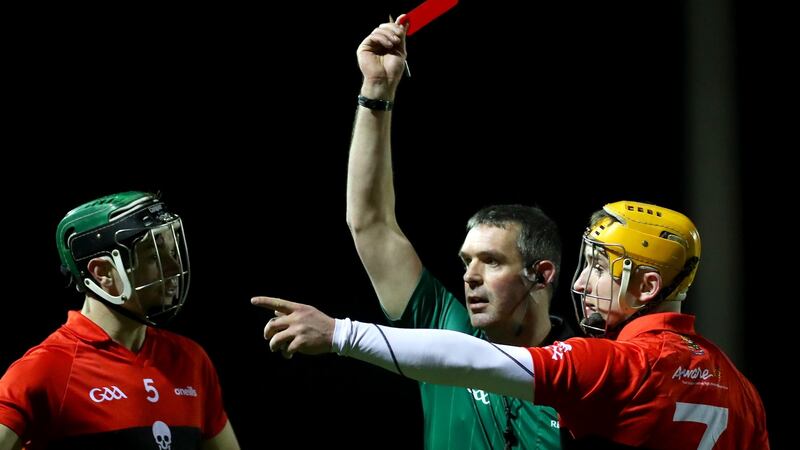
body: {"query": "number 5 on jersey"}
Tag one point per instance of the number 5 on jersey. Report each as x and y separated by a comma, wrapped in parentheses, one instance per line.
(152, 396)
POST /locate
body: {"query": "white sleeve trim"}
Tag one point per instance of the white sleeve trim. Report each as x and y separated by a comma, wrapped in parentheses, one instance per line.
(438, 356)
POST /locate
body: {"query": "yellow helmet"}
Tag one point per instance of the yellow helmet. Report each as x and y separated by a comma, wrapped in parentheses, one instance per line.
(650, 236)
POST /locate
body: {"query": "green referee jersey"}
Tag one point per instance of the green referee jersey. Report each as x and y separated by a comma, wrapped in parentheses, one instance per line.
(464, 418)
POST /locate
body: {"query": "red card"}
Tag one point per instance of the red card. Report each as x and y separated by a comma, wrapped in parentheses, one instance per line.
(425, 13)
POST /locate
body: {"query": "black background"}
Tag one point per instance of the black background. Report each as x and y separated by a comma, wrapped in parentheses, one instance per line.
(241, 116)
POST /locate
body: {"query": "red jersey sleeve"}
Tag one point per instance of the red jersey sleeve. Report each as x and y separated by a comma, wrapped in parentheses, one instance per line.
(32, 391)
(580, 377)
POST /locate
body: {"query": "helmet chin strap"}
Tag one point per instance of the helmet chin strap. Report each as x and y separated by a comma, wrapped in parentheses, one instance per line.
(627, 265)
(115, 302)
(127, 289)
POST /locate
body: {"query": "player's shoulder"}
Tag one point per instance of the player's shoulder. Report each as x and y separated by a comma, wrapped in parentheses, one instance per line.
(50, 359)
(58, 347)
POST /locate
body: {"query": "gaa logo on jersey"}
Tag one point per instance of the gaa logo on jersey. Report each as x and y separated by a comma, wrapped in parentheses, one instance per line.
(106, 394)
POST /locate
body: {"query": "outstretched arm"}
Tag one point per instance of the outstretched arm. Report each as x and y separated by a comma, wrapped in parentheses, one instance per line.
(389, 258)
(433, 356)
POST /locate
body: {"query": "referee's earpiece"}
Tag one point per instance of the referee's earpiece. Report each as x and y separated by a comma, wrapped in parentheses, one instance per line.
(532, 275)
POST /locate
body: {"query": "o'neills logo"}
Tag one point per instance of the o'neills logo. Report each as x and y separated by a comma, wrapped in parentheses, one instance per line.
(188, 391)
(692, 374)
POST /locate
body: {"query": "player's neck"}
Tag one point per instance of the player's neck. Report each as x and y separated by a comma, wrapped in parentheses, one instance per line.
(122, 330)
(669, 306)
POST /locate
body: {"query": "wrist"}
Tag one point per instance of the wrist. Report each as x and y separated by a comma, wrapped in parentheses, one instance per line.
(375, 104)
(378, 90)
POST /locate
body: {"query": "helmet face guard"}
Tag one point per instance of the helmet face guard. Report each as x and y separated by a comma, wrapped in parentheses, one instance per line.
(144, 242)
(597, 258)
(159, 273)
(630, 236)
